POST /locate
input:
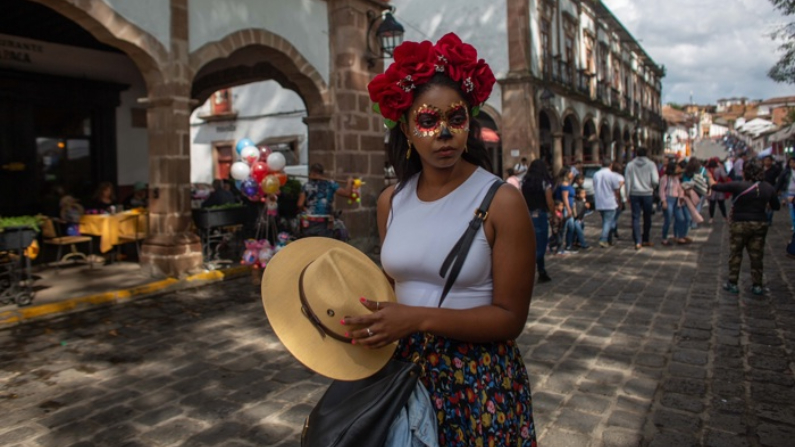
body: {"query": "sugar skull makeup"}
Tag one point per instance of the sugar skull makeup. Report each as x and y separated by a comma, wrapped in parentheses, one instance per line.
(428, 120)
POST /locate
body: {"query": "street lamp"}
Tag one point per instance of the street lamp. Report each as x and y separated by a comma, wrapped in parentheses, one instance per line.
(546, 97)
(389, 35)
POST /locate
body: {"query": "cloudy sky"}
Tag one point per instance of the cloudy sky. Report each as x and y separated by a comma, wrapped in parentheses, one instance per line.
(712, 48)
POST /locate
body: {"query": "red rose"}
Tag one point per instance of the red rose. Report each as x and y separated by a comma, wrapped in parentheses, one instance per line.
(392, 99)
(483, 82)
(416, 60)
(459, 57)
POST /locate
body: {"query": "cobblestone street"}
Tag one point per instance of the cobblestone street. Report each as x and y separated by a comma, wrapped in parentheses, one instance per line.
(624, 348)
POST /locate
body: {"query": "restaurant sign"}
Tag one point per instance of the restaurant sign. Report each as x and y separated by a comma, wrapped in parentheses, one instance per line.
(16, 51)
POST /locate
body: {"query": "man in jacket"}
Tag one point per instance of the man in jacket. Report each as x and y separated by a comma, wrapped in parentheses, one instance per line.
(641, 179)
(606, 187)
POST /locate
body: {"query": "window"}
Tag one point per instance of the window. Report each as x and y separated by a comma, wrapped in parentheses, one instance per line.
(546, 45)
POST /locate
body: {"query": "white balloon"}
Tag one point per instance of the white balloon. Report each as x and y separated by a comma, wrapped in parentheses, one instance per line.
(240, 170)
(276, 161)
(249, 154)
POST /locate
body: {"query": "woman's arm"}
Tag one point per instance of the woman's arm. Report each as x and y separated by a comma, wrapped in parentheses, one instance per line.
(550, 201)
(513, 267)
(564, 195)
(347, 191)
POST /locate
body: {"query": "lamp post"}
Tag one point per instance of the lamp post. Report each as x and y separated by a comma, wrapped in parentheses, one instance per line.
(389, 35)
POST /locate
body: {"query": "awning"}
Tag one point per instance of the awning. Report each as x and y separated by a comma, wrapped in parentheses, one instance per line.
(489, 136)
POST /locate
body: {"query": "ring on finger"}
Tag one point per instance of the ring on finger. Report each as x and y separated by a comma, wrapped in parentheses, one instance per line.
(369, 332)
(377, 305)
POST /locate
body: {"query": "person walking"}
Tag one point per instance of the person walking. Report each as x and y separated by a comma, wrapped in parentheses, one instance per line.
(670, 197)
(786, 187)
(537, 192)
(606, 187)
(718, 174)
(564, 192)
(641, 179)
(751, 198)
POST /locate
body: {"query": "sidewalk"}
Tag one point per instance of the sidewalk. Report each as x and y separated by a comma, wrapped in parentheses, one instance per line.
(78, 286)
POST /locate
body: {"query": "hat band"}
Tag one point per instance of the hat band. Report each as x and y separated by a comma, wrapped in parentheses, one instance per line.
(310, 315)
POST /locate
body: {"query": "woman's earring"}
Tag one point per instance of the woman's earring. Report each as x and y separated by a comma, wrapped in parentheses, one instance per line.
(466, 149)
(408, 152)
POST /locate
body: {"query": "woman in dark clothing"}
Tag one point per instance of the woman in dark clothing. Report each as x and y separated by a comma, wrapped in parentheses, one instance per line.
(537, 191)
(751, 197)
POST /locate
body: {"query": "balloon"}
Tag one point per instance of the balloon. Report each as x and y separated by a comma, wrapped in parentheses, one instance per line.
(249, 188)
(245, 142)
(264, 151)
(258, 171)
(240, 170)
(282, 178)
(271, 184)
(276, 161)
(249, 154)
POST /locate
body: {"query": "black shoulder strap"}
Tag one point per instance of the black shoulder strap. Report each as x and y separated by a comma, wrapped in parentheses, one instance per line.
(458, 254)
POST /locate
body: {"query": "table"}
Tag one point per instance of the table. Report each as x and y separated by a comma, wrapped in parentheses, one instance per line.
(110, 226)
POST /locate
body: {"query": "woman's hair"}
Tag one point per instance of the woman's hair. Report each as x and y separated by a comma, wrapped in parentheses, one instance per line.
(536, 175)
(510, 172)
(398, 144)
(693, 165)
(616, 167)
(753, 172)
(103, 186)
(578, 178)
(670, 169)
(712, 163)
(563, 175)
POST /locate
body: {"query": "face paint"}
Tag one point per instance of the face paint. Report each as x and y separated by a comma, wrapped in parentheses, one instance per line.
(428, 120)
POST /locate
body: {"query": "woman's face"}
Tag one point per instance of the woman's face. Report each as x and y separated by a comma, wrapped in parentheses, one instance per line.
(438, 126)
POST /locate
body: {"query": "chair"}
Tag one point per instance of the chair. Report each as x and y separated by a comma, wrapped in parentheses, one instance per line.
(51, 235)
(138, 235)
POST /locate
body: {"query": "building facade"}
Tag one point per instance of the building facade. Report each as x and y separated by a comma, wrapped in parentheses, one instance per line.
(119, 91)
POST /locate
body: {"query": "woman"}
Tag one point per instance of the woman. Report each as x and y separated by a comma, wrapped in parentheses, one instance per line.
(103, 200)
(473, 370)
(618, 168)
(537, 191)
(751, 197)
(786, 187)
(670, 194)
(564, 192)
(718, 174)
(692, 168)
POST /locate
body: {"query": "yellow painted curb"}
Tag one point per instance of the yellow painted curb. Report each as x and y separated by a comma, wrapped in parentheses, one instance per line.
(22, 314)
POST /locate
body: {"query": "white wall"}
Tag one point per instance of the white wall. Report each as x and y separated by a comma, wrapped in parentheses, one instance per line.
(716, 130)
(61, 60)
(152, 16)
(481, 24)
(304, 23)
(250, 100)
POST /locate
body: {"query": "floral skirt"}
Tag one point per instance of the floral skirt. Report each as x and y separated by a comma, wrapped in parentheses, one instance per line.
(480, 392)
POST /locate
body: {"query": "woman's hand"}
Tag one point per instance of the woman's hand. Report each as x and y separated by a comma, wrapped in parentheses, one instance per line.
(665, 205)
(387, 323)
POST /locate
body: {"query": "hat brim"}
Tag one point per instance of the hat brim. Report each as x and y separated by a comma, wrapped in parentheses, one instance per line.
(280, 298)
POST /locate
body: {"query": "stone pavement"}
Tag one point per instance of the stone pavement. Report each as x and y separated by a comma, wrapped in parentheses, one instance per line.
(624, 348)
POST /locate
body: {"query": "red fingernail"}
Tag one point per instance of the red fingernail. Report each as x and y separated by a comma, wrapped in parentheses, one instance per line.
(347, 335)
(363, 299)
(342, 321)
(353, 342)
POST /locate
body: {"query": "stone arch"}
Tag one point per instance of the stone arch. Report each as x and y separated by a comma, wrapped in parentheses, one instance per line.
(217, 64)
(109, 27)
(590, 140)
(618, 144)
(548, 127)
(572, 139)
(493, 114)
(605, 139)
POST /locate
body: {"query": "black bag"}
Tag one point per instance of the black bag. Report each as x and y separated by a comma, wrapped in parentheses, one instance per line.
(359, 413)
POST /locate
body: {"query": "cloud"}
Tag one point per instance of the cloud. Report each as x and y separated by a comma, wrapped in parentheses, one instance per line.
(712, 48)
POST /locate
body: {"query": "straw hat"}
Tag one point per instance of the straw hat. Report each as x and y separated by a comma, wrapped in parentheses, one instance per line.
(331, 276)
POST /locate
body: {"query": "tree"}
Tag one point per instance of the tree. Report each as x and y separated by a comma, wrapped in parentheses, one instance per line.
(784, 70)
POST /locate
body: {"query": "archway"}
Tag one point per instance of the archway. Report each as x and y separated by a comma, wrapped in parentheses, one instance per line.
(605, 143)
(591, 141)
(72, 109)
(572, 141)
(618, 146)
(548, 127)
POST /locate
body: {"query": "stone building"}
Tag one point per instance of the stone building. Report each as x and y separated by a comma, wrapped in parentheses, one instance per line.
(103, 90)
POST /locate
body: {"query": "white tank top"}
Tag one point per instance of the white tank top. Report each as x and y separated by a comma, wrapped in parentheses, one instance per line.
(421, 234)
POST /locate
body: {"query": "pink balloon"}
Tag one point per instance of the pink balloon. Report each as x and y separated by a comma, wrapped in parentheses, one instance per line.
(264, 151)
